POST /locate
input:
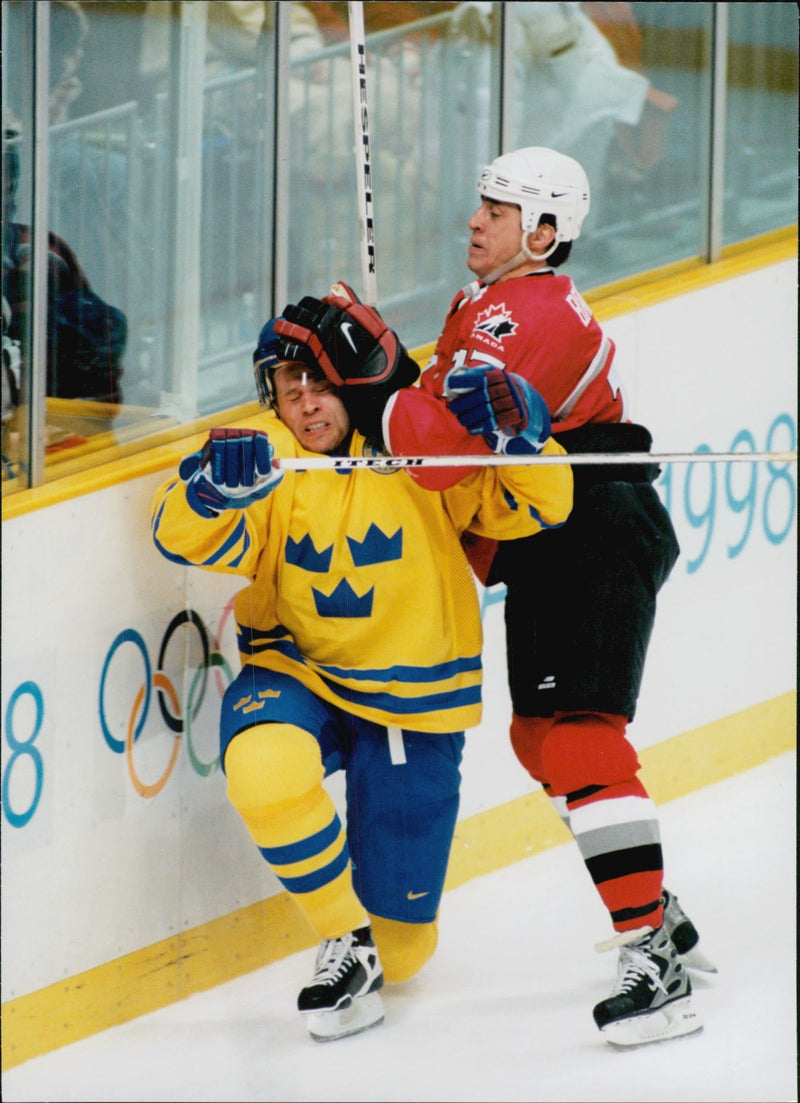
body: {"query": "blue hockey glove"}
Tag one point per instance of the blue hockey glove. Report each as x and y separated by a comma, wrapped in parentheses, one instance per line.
(500, 406)
(232, 471)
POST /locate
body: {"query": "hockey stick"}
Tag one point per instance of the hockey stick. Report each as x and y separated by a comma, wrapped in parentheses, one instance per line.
(366, 222)
(346, 463)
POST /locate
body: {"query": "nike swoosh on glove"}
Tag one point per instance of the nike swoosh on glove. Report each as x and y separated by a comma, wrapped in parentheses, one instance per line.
(354, 348)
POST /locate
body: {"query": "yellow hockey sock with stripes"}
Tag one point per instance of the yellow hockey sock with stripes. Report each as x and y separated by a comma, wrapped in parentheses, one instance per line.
(275, 777)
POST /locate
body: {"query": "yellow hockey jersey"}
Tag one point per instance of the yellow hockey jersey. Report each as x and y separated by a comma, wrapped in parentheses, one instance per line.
(359, 586)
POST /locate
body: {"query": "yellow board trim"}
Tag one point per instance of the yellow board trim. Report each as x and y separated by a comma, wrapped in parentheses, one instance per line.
(164, 450)
(126, 460)
(261, 933)
(662, 284)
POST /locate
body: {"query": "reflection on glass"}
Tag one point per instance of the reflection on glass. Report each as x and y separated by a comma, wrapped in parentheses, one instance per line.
(170, 143)
(160, 208)
(622, 88)
(17, 30)
(761, 137)
(14, 327)
(161, 175)
(432, 102)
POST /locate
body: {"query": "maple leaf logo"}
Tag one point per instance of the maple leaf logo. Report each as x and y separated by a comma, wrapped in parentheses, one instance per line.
(496, 322)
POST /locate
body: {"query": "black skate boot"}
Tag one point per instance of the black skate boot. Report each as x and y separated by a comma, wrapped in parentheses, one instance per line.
(684, 934)
(652, 997)
(342, 997)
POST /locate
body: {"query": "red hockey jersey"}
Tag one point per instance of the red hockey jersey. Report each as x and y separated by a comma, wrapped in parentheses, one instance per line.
(537, 326)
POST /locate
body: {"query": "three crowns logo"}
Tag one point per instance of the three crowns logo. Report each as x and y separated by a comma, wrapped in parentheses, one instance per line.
(343, 602)
(375, 548)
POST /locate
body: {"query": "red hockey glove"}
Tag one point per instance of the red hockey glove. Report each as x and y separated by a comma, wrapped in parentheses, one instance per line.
(350, 341)
(354, 348)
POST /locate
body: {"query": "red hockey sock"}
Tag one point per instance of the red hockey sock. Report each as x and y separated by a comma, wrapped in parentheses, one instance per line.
(588, 759)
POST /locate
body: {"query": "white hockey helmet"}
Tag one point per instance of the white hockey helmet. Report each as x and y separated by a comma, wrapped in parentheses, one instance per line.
(540, 181)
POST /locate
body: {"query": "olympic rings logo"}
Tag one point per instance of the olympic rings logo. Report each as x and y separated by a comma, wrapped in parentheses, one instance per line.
(178, 716)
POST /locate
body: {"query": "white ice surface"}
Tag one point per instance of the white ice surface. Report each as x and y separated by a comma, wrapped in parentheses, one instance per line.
(503, 1011)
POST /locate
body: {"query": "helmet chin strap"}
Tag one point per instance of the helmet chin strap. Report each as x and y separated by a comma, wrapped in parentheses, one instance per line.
(524, 255)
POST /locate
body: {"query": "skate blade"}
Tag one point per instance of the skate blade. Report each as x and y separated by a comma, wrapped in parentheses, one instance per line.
(671, 1021)
(696, 959)
(364, 1012)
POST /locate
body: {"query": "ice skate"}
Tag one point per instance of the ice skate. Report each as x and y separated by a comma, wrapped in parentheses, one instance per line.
(343, 996)
(651, 1000)
(684, 935)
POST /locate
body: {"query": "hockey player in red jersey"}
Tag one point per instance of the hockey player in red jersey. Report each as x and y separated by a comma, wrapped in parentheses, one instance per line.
(581, 599)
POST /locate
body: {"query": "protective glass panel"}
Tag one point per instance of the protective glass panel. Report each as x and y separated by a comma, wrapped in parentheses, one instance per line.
(18, 35)
(624, 89)
(761, 137)
(161, 197)
(432, 94)
(160, 215)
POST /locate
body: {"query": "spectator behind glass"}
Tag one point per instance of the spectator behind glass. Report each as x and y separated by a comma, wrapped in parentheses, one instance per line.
(86, 337)
(580, 86)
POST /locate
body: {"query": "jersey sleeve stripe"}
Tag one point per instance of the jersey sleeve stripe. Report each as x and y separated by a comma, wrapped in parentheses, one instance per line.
(595, 368)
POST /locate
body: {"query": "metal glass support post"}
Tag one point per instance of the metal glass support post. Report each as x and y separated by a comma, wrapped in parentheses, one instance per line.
(281, 160)
(35, 383)
(508, 32)
(185, 288)
(264, 222)
(719, 92)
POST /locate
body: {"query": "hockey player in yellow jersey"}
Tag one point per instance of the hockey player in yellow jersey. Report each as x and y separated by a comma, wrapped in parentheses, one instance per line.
(360, 642)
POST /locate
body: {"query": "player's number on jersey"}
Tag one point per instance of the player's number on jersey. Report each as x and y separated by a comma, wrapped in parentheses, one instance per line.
(477, 359)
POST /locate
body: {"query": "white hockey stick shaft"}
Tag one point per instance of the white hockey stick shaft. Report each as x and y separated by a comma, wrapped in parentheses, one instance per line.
(366, 221)
(346, 463)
